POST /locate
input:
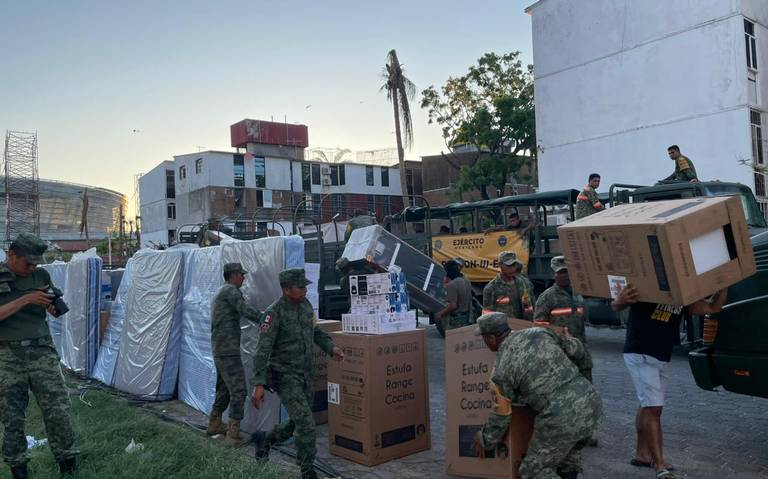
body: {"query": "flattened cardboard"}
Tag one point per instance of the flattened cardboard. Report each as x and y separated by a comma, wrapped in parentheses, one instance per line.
(469, 401)
(669, 250)
(378, 397)
(320, 404)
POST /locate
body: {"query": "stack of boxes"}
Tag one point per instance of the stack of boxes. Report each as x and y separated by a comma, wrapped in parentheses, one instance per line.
(379, 305)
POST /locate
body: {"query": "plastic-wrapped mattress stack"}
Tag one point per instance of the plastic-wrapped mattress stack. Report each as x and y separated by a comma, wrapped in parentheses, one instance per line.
(104, 370)
(58, 273)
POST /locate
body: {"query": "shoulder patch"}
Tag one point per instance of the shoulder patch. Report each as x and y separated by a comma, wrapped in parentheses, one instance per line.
(266, 325)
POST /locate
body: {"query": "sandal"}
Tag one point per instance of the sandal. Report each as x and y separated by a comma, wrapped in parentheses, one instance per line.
(665, 474)
(641, 463)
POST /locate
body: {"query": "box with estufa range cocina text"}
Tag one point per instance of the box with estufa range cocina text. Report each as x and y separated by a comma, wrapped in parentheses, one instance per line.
(378, 397)
(673, 252)
(320, 404)
(469, 402)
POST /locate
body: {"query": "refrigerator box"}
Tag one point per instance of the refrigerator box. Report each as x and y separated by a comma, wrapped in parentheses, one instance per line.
(673, 252)
(378, 397)
(378, 323)
(320, 359)
(469, 401)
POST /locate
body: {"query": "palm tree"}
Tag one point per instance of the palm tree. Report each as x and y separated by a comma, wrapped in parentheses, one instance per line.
(400, 90)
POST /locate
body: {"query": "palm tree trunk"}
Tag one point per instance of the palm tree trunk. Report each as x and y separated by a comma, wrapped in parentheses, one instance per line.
(400, 151)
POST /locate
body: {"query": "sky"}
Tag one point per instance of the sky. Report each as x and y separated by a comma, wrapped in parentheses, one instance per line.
(114, 88)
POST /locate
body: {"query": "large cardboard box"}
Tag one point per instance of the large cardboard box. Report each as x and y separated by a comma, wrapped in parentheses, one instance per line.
(673, 252)
(320, 403)
(378, 397)
(382, 323)
(469, 401)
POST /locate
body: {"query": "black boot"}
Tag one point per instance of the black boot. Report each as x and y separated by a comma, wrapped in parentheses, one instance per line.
(261, 441)
(308, 473)
(20, 472)
(569, 475)
(67, 466)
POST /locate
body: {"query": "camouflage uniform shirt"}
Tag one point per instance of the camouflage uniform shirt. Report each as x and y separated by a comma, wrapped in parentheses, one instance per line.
(684, 171)
(286, 337)
(560, 307)
(228, 307)
(29, 322)
(587, 203)
(515, 298)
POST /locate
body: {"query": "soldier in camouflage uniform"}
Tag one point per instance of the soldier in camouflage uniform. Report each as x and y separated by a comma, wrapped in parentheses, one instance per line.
(228, 307)
(684, 170)
(539, 368)
(558, 306)
(28, 359)
(587, 203)
(283, 363)
(508, 292)
(360, 220)
(458, 313)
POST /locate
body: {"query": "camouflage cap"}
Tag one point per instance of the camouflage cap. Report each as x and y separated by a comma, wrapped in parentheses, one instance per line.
(508, 258)
(492, 324)
(234, 268)
(294, 277)
(558, 264)
(30, 246)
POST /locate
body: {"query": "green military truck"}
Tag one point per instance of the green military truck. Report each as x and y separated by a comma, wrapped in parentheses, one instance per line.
(736, 358)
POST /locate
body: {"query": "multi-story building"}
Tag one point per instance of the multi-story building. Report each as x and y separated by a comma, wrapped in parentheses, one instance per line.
(616, 83)
(263, 184)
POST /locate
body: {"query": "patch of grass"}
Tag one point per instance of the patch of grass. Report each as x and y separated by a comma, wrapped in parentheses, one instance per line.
(170, 450)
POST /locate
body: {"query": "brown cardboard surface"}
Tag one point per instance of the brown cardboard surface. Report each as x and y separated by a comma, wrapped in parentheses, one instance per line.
(320, 405)
(649, 245)
(469, 401)
(378, 397)
(103, 322)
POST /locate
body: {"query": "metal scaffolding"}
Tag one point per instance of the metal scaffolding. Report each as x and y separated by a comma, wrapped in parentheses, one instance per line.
(22, 191)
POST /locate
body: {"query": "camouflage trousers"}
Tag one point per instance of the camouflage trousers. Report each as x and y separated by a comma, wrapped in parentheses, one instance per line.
(36, 368)
(297, 396)
(560, 432)
(230, 386)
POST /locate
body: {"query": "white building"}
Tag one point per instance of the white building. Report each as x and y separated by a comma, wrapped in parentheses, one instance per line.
(617, 82)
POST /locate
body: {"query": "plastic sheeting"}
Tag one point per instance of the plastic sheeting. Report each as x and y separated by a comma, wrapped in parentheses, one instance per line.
(104, 370)
(58, 273)
(148, 359)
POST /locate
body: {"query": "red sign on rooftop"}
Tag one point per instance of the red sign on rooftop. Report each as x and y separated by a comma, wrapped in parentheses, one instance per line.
(268, 132)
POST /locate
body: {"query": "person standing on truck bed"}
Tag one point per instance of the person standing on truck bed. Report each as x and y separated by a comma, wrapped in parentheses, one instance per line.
(360, 220)
(652, 331)
(684, 170)
(508, 293)
(587, 203)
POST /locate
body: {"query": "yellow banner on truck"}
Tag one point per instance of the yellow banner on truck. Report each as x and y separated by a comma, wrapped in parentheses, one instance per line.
(480, 252)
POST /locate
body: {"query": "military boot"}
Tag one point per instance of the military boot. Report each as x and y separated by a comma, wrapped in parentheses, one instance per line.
(20, 472)
(215, 426)
(308, 473)
(569, 475)
(261, 441)
(67, 466)
(233, 433)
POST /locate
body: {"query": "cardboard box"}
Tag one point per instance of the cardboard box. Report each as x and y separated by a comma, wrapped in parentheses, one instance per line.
(378, 397)
(673, 252)
(469, 401)
(103, 323)
(380, 303)
(320, 404)
(378, 323)
(379, 283)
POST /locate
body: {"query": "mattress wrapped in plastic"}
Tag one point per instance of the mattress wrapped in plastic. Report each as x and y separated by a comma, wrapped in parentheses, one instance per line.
(104, 370)
(58, 273)
(148, 359)
(76, 333)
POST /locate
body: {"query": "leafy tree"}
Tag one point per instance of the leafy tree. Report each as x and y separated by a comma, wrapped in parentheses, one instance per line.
(490, 108)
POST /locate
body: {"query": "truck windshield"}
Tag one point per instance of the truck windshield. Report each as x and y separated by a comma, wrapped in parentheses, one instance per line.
(754, 216)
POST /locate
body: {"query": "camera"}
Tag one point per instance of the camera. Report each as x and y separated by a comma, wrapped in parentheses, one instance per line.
(59, 306)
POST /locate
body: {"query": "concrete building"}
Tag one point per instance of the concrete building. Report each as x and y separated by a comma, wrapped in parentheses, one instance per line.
(261, 184)
(616, 83)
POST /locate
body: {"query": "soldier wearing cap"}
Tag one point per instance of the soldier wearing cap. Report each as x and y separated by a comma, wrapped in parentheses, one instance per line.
(283, 364)
(28, 359)
(228, 307)
(539, 368)
(558, 306)
(508, 292)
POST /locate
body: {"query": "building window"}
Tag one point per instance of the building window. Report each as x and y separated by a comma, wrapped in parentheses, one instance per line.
(384, 176)
(306, 177)
(239, 170)
(369, 176)
(171, 236)
(170, 184)
(751, 44)
(371, 204)
(316, 204)
(171, 211)
(315, 174)
(260, 166)
(759, 184)
(182, 172)
(337, 175)
(383, 201)
(260, 198)
(337, 204)
(752, 91)
(757, 137)
(198, 166)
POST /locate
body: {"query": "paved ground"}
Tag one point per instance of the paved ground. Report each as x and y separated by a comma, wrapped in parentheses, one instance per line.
(707, 434)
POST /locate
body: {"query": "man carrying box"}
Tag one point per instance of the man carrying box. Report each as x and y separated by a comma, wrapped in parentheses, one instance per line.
(652, 331)
(538, 368)
(284, 363)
